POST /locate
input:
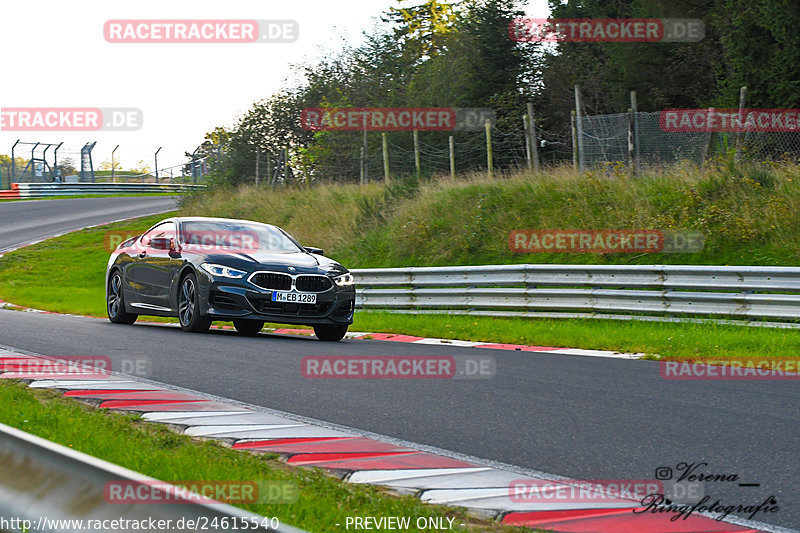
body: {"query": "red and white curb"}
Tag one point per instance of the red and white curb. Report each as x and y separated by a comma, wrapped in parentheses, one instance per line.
(475, 344)
(433, 475)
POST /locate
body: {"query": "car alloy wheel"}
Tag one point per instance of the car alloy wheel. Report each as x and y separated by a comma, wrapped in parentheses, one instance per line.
(115, 303)
(189, 306)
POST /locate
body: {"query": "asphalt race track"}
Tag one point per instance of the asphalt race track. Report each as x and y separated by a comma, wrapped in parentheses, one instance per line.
(26, 220)
(582, 417)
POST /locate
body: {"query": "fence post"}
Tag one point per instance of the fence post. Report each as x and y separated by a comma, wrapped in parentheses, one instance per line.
(579, 129)
(525, 126)
(385, 157)
(742, 96)
(631, 141)
(574, 140)
(416, 153)
(363, 178)
(636, 146)
(258, 154)
(113, 171)
(13, 164)
(489, 162)
(286, 164)
(452, 144)
(709, 137)
(366, 154)
(533, 140)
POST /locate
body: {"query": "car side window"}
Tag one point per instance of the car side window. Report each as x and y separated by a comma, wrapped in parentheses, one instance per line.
(167, 229)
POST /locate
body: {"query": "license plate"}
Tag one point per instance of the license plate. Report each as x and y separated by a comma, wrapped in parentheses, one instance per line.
(294, 297)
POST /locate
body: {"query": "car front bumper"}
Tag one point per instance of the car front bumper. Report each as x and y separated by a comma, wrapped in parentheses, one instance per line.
(229, 300)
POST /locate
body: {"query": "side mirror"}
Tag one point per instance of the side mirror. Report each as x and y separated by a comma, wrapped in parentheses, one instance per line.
(161, 243)
(312, 250)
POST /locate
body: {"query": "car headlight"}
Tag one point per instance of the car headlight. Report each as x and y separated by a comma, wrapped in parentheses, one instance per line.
(345, 280)
(221, 271)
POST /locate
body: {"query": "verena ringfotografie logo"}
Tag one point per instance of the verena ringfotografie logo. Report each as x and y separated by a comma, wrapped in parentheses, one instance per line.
(70, 119)
(201, 31)
(232, 492)
(731, 370)
(588, 30)
(729, 120)
(397, 367)
(396, 118)
(604, 241)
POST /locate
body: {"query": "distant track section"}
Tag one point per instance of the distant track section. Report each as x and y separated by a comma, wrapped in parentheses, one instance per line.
(23, 222)
(47, 190)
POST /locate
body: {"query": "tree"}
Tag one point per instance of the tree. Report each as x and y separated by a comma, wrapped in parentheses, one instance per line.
(422, 27)
(761, 47)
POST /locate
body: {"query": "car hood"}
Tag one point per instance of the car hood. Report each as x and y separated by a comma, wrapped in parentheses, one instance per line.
(303, 263)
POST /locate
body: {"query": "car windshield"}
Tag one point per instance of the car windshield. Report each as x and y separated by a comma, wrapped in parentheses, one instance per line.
(236, 237)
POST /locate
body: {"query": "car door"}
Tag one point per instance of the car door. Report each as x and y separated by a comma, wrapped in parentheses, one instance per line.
(154, 268)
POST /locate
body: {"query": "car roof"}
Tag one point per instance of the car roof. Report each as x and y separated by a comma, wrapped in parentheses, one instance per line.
(217, 219)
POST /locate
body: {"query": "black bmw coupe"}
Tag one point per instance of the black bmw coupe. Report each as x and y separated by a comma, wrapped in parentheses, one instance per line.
(205, 269)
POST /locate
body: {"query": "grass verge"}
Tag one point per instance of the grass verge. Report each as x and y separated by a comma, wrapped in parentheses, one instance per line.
(674, 341)
(156, 451)
(744, 211)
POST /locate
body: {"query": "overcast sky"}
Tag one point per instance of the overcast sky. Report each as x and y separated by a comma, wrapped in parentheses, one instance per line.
(55, 55)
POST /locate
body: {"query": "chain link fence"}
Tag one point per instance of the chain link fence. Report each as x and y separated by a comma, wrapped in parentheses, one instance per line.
(639, 137)
(629, 139)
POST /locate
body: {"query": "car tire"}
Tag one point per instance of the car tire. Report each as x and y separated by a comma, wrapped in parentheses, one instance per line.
(115, 302)
(189, 306)
(248, 328)
(330, 333)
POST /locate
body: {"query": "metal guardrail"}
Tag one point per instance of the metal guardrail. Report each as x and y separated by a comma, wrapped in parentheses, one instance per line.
(595, 290)
(43, 190)
(45, 483)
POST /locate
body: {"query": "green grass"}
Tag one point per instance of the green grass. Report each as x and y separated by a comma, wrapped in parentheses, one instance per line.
(158, 452)
(684, 341)
(26, 275)
(23, 281)
(747, 215)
